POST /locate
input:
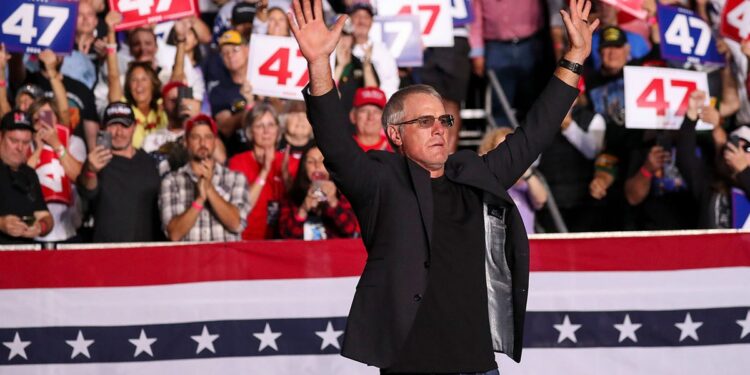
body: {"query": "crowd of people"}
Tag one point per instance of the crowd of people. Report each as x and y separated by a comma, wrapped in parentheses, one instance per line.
(137, 137)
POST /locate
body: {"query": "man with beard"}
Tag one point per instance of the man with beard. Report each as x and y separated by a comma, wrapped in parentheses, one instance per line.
(203, 201)
(121, 182)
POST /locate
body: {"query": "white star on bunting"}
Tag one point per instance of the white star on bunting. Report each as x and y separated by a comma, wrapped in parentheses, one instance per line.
(330, 337)
(17, 347)
(80, 345)
(627, 329)
(745, 324)
(205, 341)
(267, 338)
(567, 330)
(688, 328)
(143, 344)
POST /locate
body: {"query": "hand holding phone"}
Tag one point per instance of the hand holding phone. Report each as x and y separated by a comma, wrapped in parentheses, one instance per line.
(104, 139)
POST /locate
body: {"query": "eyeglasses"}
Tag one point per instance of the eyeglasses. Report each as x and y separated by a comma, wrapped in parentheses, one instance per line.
(425, 122)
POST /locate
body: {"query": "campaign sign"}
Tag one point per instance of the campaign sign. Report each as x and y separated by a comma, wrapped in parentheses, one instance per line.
(30, 26)
(657, 98)
(740, 210)
(463, 13)
(686, 37)
(735, 19)
(141, 12)
(435, 18)
(632, 7)
(401, 35)
(276, 67)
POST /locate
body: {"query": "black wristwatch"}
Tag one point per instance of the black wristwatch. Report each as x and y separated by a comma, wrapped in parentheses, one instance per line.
(573, 67)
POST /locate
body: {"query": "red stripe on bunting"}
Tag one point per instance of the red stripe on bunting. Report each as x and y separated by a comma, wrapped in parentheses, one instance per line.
(657, 253)
(257, 260)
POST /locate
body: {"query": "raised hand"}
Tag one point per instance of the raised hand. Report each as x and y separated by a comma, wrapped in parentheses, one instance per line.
(49, 59)
(113, 19)
(316, 41)
(735, 158)
(579, 30)
(696, 104)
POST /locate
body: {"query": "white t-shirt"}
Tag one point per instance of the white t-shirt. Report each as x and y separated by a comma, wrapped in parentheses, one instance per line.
(67, 218)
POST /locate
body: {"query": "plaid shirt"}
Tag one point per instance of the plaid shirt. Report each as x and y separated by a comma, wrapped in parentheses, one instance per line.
(179, 191)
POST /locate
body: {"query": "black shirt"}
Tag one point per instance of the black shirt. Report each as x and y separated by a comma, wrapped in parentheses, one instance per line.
(125, 201)
(451, 332)
(20, 195)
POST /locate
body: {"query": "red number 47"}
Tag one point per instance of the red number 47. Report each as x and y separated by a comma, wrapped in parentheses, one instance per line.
(282, 72)
(656, 88)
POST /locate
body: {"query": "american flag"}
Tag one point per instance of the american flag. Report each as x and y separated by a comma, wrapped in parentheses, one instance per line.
(657, 304)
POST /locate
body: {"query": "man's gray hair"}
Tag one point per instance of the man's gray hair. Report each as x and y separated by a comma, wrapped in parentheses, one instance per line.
(394, 110)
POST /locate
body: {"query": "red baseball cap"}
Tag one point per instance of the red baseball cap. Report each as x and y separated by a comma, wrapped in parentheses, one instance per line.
(169, 86)
(369, 95)
(201, 119)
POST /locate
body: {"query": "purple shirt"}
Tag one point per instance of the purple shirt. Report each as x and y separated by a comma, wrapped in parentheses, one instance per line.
(520, 195)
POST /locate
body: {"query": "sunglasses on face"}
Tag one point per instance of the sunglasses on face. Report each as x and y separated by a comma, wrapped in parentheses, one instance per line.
(425, 122)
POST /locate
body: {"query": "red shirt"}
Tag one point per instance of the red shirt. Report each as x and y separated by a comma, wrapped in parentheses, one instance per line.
(382, 144)
(272, 194)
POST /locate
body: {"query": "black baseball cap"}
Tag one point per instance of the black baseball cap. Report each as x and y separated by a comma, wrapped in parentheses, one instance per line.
(34, 91)
(361, 6)
(612, 36)
(243, 13)
(16, 120)
(119, 113)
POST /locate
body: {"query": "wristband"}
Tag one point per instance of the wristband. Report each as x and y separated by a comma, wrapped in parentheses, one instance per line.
(250, 106)
(646, 173)
(260, 181)
(652, 20)
(299, 218)
(3, 83)
(42, 227)
(197, 206)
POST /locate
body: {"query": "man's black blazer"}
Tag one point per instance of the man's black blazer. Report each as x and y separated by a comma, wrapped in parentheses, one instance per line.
(392, 198)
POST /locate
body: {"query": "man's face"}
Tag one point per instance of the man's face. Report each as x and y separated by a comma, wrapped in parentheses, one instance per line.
(234, 57)
(615, 58)
(143, 45)
(361, 23)
(201, 142)
(15, 145)
(367, 119)
(87, 21)
(122, 136)
(427, 147)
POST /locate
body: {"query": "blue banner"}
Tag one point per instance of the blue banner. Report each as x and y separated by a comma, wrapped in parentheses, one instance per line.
(740, 209)
(463, 13)
(31, 26)
(686, 37)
